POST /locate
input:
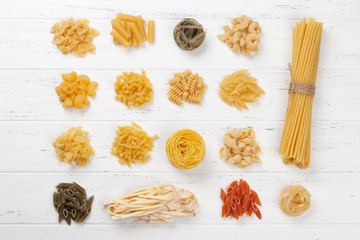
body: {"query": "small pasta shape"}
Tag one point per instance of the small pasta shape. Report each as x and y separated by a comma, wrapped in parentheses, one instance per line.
(75, 88)
(243, 36)
(186, 86)
(238, 88)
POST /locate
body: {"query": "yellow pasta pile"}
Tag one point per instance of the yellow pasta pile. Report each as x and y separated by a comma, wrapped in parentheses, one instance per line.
(295, 200)
(240, 148)
(73, 91)
(74, 145)
(188, 87)
(74, 36)
(185, 149)
(133, 89)
(244, 35)
(129, 30)
(132, 144)
(159, 203)
(239, 88)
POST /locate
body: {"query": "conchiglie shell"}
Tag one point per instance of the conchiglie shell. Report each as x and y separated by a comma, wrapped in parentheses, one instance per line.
(234, 160)
(223, 152)
(230, 142)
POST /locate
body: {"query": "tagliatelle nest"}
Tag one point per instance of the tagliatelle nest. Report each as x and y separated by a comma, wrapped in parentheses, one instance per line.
(160, 203)
(295, 200)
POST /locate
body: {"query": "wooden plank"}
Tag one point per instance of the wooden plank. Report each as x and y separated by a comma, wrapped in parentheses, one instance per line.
(31, 200)
(278, 9)
(41, 103)
(28, 147)
(27, 45)
(185, 232)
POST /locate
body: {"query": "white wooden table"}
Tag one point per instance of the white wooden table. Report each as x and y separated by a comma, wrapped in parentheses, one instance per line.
(31, 117)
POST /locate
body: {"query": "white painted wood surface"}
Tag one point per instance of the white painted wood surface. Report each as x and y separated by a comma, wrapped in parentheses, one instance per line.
(31, 117)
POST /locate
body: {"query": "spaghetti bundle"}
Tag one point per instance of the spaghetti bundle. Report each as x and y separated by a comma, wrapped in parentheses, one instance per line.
(295, 141)
(185, 149)
(160, 203)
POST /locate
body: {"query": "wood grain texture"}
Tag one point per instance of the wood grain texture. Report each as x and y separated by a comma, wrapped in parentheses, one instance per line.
(31, 117)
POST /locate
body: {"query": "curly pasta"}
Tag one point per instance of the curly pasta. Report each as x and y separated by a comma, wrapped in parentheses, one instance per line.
(74, 145)
(133, 89)
(239, 88)
(132, 144)
(244, 35)
(188, 87)
(159, 203)
(240, 148)
(294, 200)
(73, 91)
(185, 149)
(74, 36)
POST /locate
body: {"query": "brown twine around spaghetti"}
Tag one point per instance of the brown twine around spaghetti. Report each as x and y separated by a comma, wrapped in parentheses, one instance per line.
(298, 87)
(189, 34)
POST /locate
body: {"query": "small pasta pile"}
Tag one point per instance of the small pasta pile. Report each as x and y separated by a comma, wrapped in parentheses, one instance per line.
(240, 148)
(71, 202)
(295, 200)
(160, 203)
(238, 89)
(73, 91)
(244, 35)
(133, 89)
(74, 145)
(185, 149)
(132, 144)
(239, 199)
(74, 36)
(129, 30)
(186, 86)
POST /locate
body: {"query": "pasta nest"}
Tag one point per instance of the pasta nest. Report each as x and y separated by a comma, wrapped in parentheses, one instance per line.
(295, 200)
(185, 149)
(133, 89)
(74, 36)
(159, 203)
(238, 89)
(132, 144)
(240, 148)
(74, 145)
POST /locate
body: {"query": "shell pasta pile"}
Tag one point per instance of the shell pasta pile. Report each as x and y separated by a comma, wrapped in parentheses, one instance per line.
(160, 203)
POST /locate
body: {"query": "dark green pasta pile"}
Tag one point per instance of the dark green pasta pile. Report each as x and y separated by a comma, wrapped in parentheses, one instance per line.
(71, 202)
(189, 34)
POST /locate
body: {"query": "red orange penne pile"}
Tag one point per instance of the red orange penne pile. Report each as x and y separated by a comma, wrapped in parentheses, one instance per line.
(239, 199)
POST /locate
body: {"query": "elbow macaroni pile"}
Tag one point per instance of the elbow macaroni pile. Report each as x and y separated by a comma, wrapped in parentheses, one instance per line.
(73, 91)
(186, 86)
(133, 89)
(238, 88)
(244, 35)
(132, 144)
(74, 36)
(129, 30)
(74, 145)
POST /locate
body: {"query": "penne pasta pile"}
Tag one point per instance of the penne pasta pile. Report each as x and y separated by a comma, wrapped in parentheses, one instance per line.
(239, 199)
(71, 202)
(160, 203)
(129, 30)
(239, 88)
